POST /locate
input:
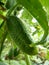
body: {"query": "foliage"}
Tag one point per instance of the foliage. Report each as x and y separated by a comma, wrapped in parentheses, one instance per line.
(24, 32)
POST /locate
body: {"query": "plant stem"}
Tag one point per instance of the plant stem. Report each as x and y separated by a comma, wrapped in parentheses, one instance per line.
(3, 17)
(2, 39)
(2, 8)
(28, 62)
(10, 11)
(5, 33)
(1, 24)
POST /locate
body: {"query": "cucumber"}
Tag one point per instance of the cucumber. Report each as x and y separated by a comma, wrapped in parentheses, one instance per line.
(19, 35)
(36, 10)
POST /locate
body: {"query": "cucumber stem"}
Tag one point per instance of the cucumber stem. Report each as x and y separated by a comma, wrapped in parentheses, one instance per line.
(10, 11)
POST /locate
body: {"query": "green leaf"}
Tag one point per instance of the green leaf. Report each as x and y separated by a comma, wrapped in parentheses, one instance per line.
(36, 10)
(47, 55)
(22, 62)
(10, 3)
(1, 24)
(3, 34)
(2, 63)
(14, 63)
(45, 4)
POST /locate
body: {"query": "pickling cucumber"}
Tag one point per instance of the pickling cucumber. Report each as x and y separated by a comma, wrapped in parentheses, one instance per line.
(19, 35)
(36, 9)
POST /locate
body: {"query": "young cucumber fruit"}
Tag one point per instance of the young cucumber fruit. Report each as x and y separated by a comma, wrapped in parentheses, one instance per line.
(19, 35)
(36, 9)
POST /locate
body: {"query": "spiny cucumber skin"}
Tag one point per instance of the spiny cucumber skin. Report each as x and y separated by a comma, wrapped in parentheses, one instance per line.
(39, 13)
(19, 35)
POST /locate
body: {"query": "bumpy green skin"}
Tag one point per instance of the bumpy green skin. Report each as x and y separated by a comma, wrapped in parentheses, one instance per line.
(19, 35)
(36, 10)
